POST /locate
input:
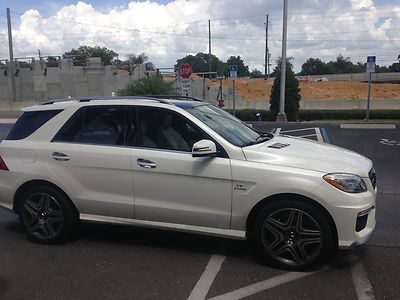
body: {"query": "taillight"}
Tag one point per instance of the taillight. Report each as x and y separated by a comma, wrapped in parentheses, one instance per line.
(3, 165)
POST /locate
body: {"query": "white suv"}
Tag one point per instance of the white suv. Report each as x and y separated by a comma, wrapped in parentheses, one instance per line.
(183, 165)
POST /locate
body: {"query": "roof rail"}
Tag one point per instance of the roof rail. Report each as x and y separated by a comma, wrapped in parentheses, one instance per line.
(87, 99)
(158, 98)
(176, 97)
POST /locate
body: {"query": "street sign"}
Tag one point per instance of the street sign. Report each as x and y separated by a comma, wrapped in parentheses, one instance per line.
(185, 71)
(371, 61)
(233, 69)
(186, 85)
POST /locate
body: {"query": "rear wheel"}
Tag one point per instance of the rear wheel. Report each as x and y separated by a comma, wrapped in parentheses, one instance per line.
(293, 234)
(47, 215)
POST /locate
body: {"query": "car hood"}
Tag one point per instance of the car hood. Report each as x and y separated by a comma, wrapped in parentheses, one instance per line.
(310, 155)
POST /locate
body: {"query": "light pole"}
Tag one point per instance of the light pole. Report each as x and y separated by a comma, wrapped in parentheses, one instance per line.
(281, 115)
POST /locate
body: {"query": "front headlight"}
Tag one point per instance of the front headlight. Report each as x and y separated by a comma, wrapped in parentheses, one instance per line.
(346, 182)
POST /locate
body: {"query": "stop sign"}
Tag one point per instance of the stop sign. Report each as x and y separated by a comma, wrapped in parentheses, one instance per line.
(185, 71)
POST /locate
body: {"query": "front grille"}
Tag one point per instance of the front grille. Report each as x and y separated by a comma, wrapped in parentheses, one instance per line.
(372, 177)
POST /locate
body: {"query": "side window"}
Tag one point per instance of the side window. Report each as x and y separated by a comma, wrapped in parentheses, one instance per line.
(98, 125)
(29, 122)
(163, 129)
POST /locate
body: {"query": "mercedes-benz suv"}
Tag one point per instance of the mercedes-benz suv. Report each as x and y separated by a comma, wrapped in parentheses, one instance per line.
(185, 165)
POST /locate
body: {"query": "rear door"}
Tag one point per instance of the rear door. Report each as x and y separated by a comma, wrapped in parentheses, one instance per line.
(90, 156)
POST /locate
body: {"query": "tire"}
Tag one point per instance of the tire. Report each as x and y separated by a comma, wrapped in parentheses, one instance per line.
(47, 215)
(292, 234)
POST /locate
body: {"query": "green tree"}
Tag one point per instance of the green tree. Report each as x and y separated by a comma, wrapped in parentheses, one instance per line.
(242, 69)
(83, 52)
(142, 58)
(394, 67)
(256, 74)
(314, 66)
(292, 92)
(199, 63)
(343, 65)
(153, 85)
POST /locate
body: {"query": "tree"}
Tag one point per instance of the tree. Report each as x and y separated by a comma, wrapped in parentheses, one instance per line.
(242, 69)
(83, 52)
(199, 63)
(314, 66)
(153, 85)
(394, 67)
(142, 58)
(256, 74)
(292, 92)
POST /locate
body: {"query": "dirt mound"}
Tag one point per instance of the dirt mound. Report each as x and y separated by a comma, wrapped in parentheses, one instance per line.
(331, 90)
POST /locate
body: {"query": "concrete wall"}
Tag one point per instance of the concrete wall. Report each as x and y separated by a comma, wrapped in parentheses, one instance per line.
(39, 83)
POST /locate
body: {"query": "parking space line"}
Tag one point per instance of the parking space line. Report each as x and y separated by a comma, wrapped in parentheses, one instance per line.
(318, 133)
(361, 281)
(264, 285)
(300, 129)
(308, 135)
(203, 285)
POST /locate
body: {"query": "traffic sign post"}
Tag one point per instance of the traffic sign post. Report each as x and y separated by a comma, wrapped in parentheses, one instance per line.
(371, 62)
(185, 72)
(233, 70)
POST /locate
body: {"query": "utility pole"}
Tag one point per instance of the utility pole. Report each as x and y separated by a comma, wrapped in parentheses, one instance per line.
(40, 56)
(266, 72)
(282, 116)
(11, 63)
(209, 48)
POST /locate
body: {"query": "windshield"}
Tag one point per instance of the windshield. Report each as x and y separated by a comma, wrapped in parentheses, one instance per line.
(227, 126)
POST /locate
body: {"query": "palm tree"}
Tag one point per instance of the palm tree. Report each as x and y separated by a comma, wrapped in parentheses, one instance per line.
(142, 58)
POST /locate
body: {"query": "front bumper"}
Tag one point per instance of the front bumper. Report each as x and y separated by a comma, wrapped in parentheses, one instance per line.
(353, 214)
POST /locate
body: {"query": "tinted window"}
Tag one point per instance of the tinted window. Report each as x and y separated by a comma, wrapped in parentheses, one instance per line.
(227, 126)
(29, 122)
(163, 129)
(99, 125)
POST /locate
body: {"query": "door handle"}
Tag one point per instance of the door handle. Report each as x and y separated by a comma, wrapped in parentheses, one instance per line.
(144, 163)
(60, 156)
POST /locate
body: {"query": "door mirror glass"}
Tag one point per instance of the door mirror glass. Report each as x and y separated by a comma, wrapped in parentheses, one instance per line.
(204, 148)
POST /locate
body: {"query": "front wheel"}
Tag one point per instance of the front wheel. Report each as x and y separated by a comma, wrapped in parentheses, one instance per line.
(47, 215)
(293, 234)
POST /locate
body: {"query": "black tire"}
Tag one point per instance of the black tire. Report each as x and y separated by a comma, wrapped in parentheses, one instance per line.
(47, 215)
(292, 234)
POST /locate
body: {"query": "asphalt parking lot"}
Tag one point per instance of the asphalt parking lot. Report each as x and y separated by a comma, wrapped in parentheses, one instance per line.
(117, 262)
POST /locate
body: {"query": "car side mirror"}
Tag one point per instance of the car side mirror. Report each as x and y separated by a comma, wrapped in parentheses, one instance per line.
(204, 148)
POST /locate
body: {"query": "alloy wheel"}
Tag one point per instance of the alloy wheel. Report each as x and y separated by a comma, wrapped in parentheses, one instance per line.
(292, 236)
(43, 216)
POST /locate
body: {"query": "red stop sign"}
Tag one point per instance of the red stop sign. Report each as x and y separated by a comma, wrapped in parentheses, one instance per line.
(185, 71)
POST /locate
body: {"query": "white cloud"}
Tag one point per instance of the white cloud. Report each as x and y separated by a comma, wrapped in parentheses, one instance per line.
(166, 32)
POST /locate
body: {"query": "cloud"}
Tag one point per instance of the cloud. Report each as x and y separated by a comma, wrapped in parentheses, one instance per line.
(166, 32)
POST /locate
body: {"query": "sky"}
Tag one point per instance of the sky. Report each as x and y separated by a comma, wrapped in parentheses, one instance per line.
(169, 30)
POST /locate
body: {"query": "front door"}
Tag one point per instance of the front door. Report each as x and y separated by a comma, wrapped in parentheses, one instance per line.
(169, 184)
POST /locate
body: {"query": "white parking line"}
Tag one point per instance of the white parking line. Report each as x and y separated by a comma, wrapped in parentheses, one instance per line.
(361, 281)
(297, 130)
(317, 133)
(203, 285)
(263, 285)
